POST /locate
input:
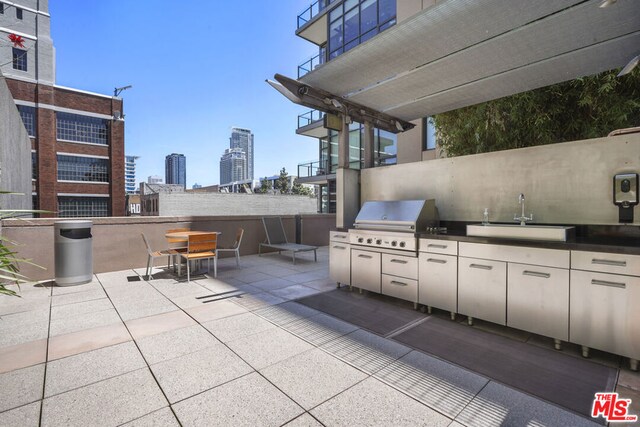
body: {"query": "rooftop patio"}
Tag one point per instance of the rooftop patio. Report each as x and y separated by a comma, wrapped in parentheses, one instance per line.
(238, 350)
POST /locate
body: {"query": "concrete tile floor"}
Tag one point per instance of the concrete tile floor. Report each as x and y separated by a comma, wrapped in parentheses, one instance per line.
(231, 350)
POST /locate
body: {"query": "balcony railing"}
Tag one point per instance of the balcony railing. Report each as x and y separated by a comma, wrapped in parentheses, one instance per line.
(309, 13)
(309, 117)
(309, 169)
(309, 65)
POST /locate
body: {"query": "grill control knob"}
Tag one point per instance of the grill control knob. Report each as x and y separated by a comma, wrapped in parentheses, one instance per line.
(403, 244)
(394, 243)
(378, 242)
(360, 240)
(369, 241)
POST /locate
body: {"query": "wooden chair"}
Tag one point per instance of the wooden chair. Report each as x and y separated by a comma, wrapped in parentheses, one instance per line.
(201, 246)
(153, 255)
(236, 246)
(176, 245)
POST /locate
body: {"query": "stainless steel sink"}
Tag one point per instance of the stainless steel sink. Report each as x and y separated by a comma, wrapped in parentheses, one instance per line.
(525, 232)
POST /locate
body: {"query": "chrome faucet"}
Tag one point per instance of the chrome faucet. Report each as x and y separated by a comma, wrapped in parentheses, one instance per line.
(522, 218)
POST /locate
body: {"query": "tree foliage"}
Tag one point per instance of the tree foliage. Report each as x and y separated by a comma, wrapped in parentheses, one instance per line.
(282, 183)
(265, 186)
(588, 107)
(300, 189)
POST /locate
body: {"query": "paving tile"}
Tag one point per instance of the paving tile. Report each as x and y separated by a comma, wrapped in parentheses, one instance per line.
(277, 270)
(194, 373)
(72, 310)
(438, 384)
(373, 403)
(304, 420)
(214, 310)
(634, 408)
(91, 367)
(320, 329)
(172, 289)
(23, 355)
(87, 340)
(135, 309)
(113, 401)
(84, 321)
(312, 377)
(172, 344)
(322, 284)
(272, 283)
(24, 416)
(268, 347)
(366, 351)
(256, 301)
(497, 405)
(21, 387)
(234, 327)
(11, 305)
(24, 318)
(11, 336)
(251, 277)
(294, 292)
(63, 290)
(153, 325)
(287, 312)
(194, 300)
(629, 379)
(247, 401)
(304, 277)
(88, 295)
(32, 288)
(216, 285)
(162, 418)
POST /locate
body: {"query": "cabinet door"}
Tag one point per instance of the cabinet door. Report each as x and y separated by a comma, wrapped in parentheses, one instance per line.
(401, 266)
(604, 312)
(538, 300)
(438, 281)
(482, 289)
(400, 287)
(365, 270)
(340, 263)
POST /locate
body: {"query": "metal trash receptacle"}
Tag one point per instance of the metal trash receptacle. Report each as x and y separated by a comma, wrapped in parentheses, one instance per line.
(73, 252)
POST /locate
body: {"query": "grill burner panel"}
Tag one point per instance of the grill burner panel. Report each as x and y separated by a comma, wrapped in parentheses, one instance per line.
(384, 239)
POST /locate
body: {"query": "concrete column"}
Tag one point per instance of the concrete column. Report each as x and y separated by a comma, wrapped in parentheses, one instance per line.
(347, 196)
(343, 144)
(369, 148)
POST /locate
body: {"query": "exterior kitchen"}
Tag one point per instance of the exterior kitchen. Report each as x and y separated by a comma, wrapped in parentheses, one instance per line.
(542, 239)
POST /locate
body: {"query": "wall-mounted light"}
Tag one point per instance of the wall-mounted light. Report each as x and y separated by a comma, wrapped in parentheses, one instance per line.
(337, 103)
(116, 91)
(630, 66)
(399, 126)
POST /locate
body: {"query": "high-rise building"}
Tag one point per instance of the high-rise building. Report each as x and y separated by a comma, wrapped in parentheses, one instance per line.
(77, 137)
(233, 166)
(154, 179)
(130, 174)
(175, 166)
(243, 139)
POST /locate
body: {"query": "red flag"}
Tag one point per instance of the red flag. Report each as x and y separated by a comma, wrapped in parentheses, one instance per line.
(17, 41)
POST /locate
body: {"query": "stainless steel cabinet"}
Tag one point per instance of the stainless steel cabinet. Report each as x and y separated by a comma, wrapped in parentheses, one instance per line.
(400, 287)
(604, 312)
(438, 281)
(482, 289)
(366, 270)
(340, 263)
(538, 300)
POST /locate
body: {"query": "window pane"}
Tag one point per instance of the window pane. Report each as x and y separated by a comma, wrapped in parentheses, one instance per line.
(387, 148)
(387, 10)
(335, 53)
(349, 4)
(335, 35)
(351, 25)
(368, 16)
(74, 127)
(387, 25)
(430, 134)
(351, 45)
(19, 59)
(335, 13)
(73, 207)
(370, 34)
(73, 168)
(28, 115)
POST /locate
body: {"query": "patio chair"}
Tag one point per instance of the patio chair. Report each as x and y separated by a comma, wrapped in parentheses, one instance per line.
(153, 255)
(176, 245)
(235, 247)
(201, 246)
(277, 239)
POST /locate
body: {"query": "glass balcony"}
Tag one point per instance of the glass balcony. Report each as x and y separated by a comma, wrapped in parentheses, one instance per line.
(310, 65)
(310, 117)
(313, 169)
(309, 13)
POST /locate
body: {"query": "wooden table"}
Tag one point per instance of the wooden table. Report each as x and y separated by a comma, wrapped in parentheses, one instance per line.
(184, 236)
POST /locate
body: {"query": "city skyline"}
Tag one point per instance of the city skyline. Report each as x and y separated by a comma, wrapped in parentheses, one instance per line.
(191, 105)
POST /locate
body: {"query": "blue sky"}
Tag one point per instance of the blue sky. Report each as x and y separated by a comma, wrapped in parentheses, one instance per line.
(197, 68)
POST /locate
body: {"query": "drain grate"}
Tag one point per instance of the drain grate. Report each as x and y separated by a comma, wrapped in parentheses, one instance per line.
(133, 278)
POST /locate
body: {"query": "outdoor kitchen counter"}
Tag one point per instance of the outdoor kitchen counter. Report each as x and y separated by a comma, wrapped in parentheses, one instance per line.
(619, 245)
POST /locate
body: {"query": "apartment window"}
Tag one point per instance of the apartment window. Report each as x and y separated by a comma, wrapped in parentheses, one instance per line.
(74, 207)
(356, 21)
(19, 59)
(91, 169)
(34, 165)
(429, 134)
(28, 115)
(386, 148)
(77, 128)
(1, 8)
(18, 13)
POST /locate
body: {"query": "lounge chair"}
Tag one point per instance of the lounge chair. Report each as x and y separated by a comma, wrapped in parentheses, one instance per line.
(235, 248)
(277, 239)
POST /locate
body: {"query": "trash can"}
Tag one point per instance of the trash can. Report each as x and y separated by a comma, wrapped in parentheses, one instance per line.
(73, 252)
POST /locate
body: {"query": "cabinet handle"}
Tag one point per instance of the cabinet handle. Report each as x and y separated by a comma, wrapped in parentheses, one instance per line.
(365, 256)
(610, 284)
(339, 247)
(398, 261)
(481, 266)
(437, 261)
(432, 245)
(394, 282)
(339, 236)
(609, 262)
(536, 274)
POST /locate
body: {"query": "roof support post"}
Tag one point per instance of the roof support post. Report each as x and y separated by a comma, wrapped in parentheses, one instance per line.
(368, 145)
(343, 144)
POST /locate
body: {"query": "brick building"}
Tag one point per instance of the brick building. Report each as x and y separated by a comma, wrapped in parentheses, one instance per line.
(77, 137)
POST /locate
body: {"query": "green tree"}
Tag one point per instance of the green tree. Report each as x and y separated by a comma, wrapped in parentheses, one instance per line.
(265, 186)
(282, 183)
(588, 107)
(300, 190)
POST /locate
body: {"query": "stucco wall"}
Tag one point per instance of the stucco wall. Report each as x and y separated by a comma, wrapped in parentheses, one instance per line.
(15, 154)
(568, 183)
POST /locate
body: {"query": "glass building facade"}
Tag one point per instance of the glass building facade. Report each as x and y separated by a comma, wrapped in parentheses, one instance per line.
(175, 166)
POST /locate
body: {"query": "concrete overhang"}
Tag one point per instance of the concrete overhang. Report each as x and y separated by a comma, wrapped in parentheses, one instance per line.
(315, 30)
(463, 52)
(315, 130)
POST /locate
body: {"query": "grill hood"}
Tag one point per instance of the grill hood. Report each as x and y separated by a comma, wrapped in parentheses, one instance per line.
(397, 215)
